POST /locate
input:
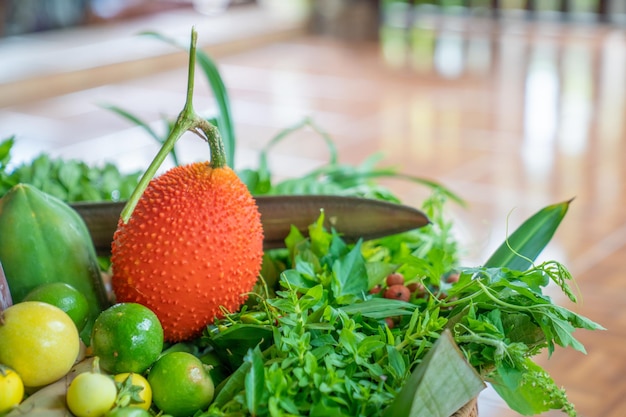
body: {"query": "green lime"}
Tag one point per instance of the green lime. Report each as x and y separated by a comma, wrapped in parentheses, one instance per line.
(181, 384)
(65, 297)
(127, 337)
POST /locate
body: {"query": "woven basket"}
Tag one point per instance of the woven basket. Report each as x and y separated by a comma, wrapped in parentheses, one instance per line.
(468, 410)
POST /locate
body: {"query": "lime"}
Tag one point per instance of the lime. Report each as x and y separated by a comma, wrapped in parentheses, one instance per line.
(181, 384)
(127, 337)
(64, 296)
(133, 392)
(11, 387)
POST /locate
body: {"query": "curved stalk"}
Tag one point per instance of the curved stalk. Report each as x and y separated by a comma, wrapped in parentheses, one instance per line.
(187, 120)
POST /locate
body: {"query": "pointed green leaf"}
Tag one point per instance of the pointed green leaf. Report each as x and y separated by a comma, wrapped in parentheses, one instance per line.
(226, 390)
(255, 381)
(380, 308)
(145, 126)
(349, 275)
(134, 119)
(224, 118)
(5, 151)
(526, 243)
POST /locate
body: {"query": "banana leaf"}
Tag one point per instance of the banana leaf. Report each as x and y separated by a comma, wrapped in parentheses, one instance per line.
(440, 385)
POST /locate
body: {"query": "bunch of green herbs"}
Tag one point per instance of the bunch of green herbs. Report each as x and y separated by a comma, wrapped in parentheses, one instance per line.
(321, 344)
(70, 180)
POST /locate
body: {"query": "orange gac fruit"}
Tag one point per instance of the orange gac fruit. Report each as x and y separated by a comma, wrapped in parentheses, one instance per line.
(192, 247)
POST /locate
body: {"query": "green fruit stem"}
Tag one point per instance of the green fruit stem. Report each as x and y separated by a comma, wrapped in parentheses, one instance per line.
(95, 365)
(187, 121)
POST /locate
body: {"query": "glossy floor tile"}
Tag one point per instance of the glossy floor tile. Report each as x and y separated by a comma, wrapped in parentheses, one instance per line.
(511, 116)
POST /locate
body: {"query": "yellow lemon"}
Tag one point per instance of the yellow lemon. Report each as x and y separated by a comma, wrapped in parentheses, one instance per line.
(38, 341)
(11, 387)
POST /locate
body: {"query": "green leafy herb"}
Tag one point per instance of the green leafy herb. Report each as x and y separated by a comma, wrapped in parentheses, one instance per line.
(69, 180)
(331, 350)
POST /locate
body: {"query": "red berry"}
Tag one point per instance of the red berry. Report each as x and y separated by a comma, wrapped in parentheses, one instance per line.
(398, 292)
(452, 278)
(417, 287)
(390, 322)
(376, 289)
(395, 278)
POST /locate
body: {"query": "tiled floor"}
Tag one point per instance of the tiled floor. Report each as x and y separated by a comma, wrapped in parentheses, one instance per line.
(511, 117)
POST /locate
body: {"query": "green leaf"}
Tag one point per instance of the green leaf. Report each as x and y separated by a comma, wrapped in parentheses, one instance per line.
(312, 297)
(70, 175)
(377, 272)
(297, 280)
(521, 329)
(134, 119)
(396, 362)
(224, 118)
(5, 151)
(350, 275)
(441, 384)
(380, 308)
(145, 126)
(283, 134)
(526, 243)
(233, 344)
(255, 381)
(559, 324)
(320, 238)
(225, 391)
(529, 391)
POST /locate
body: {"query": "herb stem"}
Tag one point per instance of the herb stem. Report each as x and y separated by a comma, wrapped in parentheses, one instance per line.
(498, 301)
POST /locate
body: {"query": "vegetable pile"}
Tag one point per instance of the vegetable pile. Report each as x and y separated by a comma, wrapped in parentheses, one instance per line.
(205, 323)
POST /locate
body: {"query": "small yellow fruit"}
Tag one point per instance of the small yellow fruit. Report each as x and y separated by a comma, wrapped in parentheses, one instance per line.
(91, 394)
(38, 341)
(11, 387)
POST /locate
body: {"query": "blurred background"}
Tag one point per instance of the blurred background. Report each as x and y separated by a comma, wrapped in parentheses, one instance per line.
(512, 105)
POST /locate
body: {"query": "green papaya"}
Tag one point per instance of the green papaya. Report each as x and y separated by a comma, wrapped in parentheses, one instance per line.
(43, 240)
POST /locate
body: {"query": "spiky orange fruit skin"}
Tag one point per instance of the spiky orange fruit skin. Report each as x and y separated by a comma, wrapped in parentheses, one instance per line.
(193, 244)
